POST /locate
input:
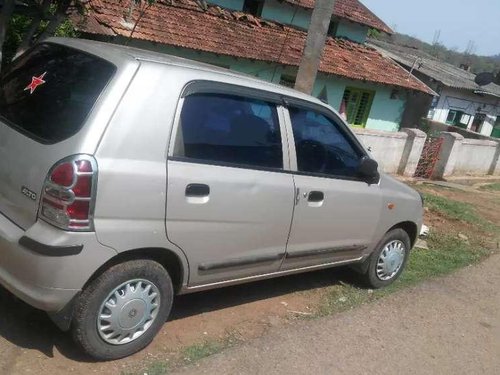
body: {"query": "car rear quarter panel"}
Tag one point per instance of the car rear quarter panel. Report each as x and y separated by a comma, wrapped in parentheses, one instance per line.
(130, 206)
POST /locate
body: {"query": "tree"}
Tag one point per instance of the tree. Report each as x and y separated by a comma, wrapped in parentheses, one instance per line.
(23, 25)
(7, 10)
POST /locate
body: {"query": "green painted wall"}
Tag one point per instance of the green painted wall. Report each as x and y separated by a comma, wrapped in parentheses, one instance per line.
(266, 71)
(385, 113)
(352, 31)
(286, 13)
(230, 4)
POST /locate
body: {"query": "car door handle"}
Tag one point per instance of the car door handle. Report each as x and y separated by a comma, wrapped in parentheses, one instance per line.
(315, 196)
(197, 190)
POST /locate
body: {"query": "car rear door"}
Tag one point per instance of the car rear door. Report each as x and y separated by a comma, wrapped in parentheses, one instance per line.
(46, 96)
(336, 213)
(229, 202)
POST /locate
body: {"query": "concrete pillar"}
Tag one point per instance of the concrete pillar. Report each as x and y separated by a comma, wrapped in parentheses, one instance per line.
(412, 151)
(495, 164)
(315, 44)
(450, 149)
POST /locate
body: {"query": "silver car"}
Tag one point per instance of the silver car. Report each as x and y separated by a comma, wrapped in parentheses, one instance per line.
(128, 177)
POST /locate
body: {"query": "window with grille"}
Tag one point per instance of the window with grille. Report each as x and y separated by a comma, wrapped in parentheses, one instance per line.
(253, 7)
(496, 128)
(357, 105)
(288, 81)
(457, 118)
(332, 29)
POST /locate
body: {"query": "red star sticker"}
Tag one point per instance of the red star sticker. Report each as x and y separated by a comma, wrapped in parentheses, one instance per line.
(35, 82)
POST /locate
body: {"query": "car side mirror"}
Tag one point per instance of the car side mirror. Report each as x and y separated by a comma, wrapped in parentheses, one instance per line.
(368, 170)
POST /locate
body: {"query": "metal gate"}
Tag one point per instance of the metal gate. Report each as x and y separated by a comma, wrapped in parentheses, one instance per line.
(429, 157)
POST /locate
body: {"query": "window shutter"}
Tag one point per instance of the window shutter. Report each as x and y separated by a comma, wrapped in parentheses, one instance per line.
(362, 112)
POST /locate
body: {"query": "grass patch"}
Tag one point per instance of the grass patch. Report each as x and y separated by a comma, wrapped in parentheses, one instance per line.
(456, 210)
(491, 187)
(196, 352)
(452, 209)
(446, 254)
(188, 355)
(156, 368)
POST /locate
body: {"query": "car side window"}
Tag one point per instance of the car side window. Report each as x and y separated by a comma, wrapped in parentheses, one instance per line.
(321, 145)
(229, 129)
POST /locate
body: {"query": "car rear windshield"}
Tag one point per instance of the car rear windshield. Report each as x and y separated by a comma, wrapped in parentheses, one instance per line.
(48, 92)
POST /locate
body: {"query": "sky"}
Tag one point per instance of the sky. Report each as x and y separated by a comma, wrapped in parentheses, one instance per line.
(460, 21)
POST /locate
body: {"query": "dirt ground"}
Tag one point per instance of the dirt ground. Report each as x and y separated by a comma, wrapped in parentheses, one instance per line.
(447, 325)
(30, 343)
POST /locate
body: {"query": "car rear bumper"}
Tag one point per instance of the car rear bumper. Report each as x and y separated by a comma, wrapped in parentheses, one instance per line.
(45, 266)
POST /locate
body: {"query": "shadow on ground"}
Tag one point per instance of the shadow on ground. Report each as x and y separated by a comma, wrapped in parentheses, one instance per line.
(28, 328)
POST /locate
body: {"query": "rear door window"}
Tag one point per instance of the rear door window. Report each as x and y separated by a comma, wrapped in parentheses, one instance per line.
(229, 129)
(48, 93)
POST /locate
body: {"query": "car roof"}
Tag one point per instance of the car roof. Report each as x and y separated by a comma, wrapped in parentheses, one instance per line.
(119, 55)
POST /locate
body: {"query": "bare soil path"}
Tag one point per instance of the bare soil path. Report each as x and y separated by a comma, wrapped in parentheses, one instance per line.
(445, 326)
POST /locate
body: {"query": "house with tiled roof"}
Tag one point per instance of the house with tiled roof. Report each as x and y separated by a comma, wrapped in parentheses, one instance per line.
(461, 102)
(266, 38)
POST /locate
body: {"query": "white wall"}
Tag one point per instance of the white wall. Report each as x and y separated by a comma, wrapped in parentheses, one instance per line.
(464, 156)
(386, 147)
(475, 157)
(467, 102)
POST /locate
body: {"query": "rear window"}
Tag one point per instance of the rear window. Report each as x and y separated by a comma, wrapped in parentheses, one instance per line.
(49, 92)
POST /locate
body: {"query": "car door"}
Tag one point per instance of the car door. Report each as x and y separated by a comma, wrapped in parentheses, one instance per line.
(229, 204)
(336, 213)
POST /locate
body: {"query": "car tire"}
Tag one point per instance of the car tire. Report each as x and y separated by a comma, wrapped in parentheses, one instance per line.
(133, 299)
(387, 263)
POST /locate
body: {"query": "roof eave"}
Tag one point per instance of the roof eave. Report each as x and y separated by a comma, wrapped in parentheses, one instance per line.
(482, 92)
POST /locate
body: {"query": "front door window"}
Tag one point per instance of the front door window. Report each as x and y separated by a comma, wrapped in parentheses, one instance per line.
(321, 145)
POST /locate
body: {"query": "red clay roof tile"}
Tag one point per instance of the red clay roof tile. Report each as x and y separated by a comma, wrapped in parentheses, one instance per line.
(353, 10)
(237, 34)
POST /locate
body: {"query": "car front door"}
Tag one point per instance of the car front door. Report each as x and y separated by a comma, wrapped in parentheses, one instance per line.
(229, 204)
(336, 213)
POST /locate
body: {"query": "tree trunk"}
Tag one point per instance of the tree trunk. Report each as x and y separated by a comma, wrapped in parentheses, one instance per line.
(35, 24)
(7, 10)
(315, 43)
(56, 20)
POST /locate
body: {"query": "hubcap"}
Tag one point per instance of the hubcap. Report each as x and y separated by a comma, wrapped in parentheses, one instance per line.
(390, 260)
(128, 311)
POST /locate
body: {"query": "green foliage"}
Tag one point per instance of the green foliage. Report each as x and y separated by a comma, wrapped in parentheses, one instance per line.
(16, 29)
(66, 29)
(374, 33)
(20, 23)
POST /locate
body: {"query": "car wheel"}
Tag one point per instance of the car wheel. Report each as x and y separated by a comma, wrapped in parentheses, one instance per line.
(388, 261)
(121, 311)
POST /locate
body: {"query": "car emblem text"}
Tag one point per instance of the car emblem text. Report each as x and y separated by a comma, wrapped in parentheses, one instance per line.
(30, 194)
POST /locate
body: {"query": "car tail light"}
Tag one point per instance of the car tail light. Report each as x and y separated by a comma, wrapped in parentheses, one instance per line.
(68, 194)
